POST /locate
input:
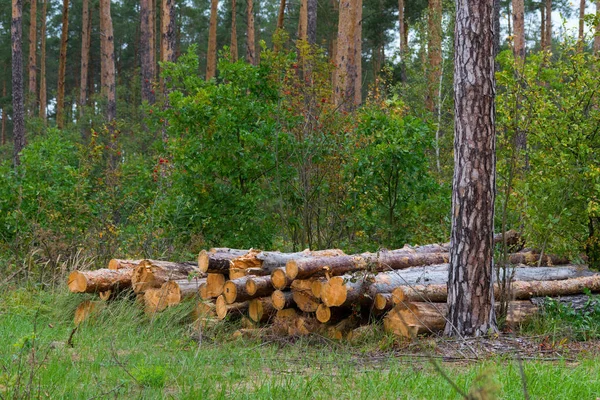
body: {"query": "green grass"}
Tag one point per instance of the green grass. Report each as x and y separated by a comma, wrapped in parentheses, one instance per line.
(124, 354)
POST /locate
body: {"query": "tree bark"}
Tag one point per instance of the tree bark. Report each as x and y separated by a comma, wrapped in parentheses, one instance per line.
(99, 280)
(434, 52)
(470, 294)
(261, 309)
(211, 57)
(259, 286)
(581, 23)
(348, 55)
(62, 67)
(218, 260)
(107, 64)
(147, 51)
(116, 263)
(303, 20)
(548, 40)
(235, 290)
(18, 116)
(43, 86)
(403, 39)
(86, 37)
(168, 37)
(281, 14)
(518, 10)
(233, 49)
(152, 274)
(543, 26)
(597, 36)
(269, 261)
(32, 66)
(250, 41)
(235, 310)
(303, 296)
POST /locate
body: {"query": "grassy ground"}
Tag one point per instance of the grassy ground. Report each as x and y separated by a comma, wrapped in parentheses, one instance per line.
(123, 354)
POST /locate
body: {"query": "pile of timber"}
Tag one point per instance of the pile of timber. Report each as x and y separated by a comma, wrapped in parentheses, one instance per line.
(326, 292)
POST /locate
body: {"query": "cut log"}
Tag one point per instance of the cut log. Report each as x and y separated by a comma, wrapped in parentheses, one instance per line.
(413, 319)
(261, 309)
(117, 263)
(235, 310)
(204, 309)
(279, 280)
(217, 260)
(347, 290)
(316, 287)
(87, 309)
(155, 300)
(533, 258)
(283, 320)
(383, 301)
(99, 280)
(235, 273)
(259, 286)
(281, 300)
(153, 273)
(269, 261)
(303, 297)
(520, 290)
(181, 289)
(326, 314)
(235, 290)
(382, 261)
(214, 286)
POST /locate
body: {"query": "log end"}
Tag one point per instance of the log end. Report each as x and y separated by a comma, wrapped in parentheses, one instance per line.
(278, 299)
(203, 259)
(291, 270)
(381, 302)
(251, 287)
(279, 279)
(229, 292)
(221, 307)
(323, 313)
(255, 310)
(114, 264)
(334, 292)
(77, 282)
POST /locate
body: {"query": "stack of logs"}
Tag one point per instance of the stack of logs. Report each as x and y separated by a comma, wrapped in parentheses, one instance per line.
(325, 292)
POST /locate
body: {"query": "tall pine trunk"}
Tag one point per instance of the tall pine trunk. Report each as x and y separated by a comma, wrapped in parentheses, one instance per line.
(403, 39)
(86, 37)
(18, 116)
(303, 20)
(62, 67)
(519, 29)
(107, 61)
(4, 119)
(581, 22)
(311, 21)
(147, 51)
(281, 14)
(250, 43)
(434, 52)
(32, 65)
(348, 74)
(543, 26)
(548, 30)
(211, 57)
(597, 36)
(233, 49)
(43, 88)
(168, 36)
(470, 290)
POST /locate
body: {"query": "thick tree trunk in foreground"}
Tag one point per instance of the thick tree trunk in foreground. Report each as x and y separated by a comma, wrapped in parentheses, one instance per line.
(43, 87)
(434, 52)
(250, 37)
(32, 65)
(62, 67)
(147, 51)
(86, 37)
(470, 294)
(348, 75)
(99, 280)
(107, 64)
(211, 56)
(518, 10)
(18, 115)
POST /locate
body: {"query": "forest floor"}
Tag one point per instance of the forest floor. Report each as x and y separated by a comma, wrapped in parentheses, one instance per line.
(124, 354)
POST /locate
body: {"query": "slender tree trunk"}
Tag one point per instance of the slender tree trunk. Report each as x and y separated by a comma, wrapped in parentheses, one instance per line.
(403, 40)
(543, 27)
(168, 37)
(3, 138)
(311, 21)
(152, 40)
(211, 59)
(107, 63)
(518, 10)
(43, 89)
(233, 49)
(147, 51)
(86, 38)
(32, 67)
(597, 36)
(548, 40)
(281, 14)
(251, 45)
(18, 116)
(347, 93)
(303, 20)
(470, 289)
(434, 53)
(581, 22)
(62, 67)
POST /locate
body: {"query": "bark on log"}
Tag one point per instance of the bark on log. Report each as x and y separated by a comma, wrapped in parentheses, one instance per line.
(117, 263)
(235, 290)
(381, 261)
(261, 309)
(99, 280)
(279, 279)
(282, 299)
(152, 273)
(533, 258)
(181, 289)
(235, 310)
(240, 273)
(303, 297)
(417, 318)
(344, 291)
(217, 260)
(520, 290)
(259, 286)
(271, 260)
